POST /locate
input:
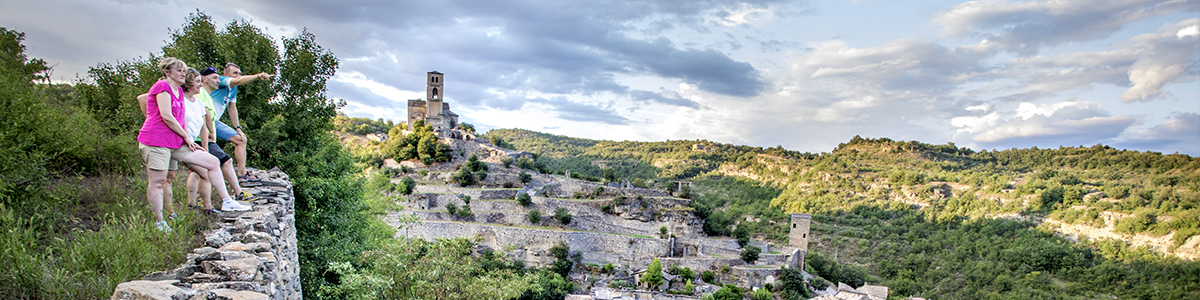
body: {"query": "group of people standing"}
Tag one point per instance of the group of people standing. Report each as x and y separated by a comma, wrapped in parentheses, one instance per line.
(181, 128)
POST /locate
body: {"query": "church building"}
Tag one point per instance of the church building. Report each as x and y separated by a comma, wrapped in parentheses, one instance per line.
(433, 110)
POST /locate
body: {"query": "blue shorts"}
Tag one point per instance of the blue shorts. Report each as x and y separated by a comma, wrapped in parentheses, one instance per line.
(224, 132)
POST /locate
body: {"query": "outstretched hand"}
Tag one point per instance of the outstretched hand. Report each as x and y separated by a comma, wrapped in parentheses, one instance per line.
(264, 76)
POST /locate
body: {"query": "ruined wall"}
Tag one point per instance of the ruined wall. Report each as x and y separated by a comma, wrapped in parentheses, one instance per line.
(249, 255)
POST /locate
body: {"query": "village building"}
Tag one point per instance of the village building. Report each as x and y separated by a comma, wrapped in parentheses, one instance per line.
(433, 110)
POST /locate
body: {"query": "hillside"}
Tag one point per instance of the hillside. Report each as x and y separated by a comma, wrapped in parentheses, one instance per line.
(879, 201)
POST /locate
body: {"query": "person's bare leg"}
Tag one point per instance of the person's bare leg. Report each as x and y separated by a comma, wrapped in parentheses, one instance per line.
(169, 193)
(239, 153)
(155, 180)
(193, 187)
(230, 176)
(209, 169)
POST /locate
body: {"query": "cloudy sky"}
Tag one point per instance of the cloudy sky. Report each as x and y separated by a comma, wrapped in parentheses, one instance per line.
(807, 75)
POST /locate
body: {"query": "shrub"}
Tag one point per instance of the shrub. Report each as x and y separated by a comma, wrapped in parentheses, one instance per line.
(524, 199)
(451, 208)
(762, 294)
(563, 215)
(616, 284)
(662, 232)
(608, 268)
(466, 200)
(708, 277)
(408, 184)
(525, 177)
(750, 254)
(507, 162)
(465, 211)
(535, 216)
(653, 276)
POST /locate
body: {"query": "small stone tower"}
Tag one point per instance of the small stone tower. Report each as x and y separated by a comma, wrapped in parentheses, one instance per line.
(433, 93)
(798, 236)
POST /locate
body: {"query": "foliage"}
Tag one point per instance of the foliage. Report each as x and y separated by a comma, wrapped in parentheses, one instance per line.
(421, 144)
(790, 285)
(535, 216)
(524, 199)
(750, 254)
(653, 277)
(452, 209)
(361, 126)
(708, 277)
(762, 294)
(563, 216)
(728, 292)
(524, 177)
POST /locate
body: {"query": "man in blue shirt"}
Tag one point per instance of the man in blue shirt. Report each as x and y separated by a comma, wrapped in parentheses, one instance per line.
(225, 100)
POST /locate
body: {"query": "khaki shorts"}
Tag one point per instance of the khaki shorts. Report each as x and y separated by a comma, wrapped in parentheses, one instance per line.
(163, 158)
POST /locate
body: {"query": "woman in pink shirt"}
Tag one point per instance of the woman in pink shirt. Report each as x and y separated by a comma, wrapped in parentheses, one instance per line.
(163, 138)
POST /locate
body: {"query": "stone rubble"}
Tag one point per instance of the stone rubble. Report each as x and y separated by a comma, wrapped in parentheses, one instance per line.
(248, 256)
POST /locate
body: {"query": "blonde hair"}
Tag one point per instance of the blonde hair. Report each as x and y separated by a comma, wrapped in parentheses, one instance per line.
(189, 80)
(170, 62)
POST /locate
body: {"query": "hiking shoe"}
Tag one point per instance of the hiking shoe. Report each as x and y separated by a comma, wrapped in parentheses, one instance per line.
(247, 197)
(230, 205)
(248, 178)
(162, 226)
(211, 211)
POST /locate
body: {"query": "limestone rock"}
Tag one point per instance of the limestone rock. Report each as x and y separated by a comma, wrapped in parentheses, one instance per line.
(218, 237)
(245, 269)
(257, 237)
(149, 290)
(227, 294)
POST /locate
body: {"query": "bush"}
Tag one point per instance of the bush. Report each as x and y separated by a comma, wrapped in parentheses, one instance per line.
(408, 185)
(535, 216)
(507, 162)
(750, 254)
(563, 215)
(524, 199)
(525, 177)
(452, 209)
(762, 294)
(708, 277)
(465, 211)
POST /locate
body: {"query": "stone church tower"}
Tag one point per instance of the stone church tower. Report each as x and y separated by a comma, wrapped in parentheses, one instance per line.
(433, 109)
(798, 236)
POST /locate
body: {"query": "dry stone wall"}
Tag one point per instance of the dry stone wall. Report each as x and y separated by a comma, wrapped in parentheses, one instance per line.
(249, 255)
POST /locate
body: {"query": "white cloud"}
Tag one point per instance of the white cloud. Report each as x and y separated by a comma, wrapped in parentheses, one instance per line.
(1167, 58)
(1026, 27)
(743, 14)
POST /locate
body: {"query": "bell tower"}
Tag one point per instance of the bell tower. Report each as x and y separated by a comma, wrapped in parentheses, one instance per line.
(433, 93)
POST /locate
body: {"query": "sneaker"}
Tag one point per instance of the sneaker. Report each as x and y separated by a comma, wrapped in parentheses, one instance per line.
(248, 178)
(162, 226)
(230, 205)
(211, 211)
(247, 197)
(172, 217)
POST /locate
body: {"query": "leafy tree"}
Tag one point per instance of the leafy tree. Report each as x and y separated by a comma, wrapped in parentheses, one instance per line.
(653, 276)
(524, 199)
(791, 284)
(409, 185)
(750, 254)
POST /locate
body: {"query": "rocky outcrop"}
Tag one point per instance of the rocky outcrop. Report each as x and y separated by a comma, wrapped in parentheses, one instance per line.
(248, 255)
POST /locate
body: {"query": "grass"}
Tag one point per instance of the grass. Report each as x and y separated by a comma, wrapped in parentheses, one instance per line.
(83, 236)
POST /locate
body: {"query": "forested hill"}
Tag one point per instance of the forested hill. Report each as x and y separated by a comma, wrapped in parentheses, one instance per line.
(1081, 190)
